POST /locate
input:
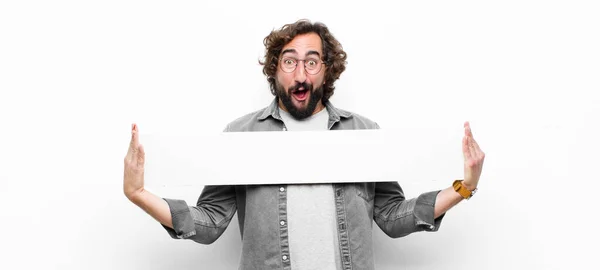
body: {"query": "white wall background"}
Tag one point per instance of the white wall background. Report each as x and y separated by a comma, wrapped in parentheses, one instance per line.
(75, 74)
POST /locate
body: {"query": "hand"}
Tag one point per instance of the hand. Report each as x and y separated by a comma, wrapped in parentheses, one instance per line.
(473, 159)
(133, 179)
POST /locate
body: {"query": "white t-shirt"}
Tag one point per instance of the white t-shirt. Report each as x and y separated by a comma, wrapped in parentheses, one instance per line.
(313, 235)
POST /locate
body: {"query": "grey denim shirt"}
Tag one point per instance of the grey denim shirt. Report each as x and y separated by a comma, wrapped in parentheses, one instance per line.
(262, 211)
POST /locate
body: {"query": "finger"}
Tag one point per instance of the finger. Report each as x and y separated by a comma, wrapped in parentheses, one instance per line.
(129, 154)
(470, 140)
(468, 151)
(472, 150)
(135, 138)
(465, 147)
(133, 144)
(468, 131)
(132, 141)
(141, 157)
(135, 134)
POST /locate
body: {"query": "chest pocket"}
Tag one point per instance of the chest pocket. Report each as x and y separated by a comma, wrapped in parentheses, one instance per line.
(365, 190)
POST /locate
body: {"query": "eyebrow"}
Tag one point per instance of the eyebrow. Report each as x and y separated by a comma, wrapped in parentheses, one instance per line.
(294, 51)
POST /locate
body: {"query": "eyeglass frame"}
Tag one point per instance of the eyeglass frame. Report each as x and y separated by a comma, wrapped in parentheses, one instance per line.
(322, 62)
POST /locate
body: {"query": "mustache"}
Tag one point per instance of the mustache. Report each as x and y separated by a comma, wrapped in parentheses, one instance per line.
(297, 86)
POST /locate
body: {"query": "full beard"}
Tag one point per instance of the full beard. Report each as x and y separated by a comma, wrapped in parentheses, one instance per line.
(316, 96)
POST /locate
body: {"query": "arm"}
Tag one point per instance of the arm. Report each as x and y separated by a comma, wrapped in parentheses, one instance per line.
(153, 205)
(445, 200)
(398, 217)
(203, 223)
(474, 158)
(133, 183)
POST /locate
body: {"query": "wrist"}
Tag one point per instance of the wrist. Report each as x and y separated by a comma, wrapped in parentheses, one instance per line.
(464, 189)
(135, 196)
(469, 186)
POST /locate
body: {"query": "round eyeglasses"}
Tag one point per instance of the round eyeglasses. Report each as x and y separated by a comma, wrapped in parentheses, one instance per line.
(311, 65)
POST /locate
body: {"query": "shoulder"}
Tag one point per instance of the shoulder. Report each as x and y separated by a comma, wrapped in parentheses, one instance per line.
(259, 120)
(352, 120)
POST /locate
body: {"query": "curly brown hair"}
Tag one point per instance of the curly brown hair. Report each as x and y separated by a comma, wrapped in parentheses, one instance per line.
(334, 56)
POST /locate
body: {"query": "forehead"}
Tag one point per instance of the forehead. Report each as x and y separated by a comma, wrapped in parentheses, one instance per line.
(304, 44)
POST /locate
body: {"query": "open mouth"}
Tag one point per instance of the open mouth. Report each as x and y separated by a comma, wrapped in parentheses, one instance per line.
(300, 95)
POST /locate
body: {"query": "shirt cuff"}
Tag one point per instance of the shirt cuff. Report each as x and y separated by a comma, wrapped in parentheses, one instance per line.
(183, 223)
(424, 212)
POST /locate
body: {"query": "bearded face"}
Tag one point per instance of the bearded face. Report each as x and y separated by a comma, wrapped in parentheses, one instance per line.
(300, 76)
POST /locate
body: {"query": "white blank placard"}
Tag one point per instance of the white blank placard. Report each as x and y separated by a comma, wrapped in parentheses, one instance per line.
(303, 157)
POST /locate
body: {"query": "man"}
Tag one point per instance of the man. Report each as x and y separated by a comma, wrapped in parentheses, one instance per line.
(320, 226)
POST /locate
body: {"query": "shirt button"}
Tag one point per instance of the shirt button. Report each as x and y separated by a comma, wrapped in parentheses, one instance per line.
(282, 189)
(282, 223)
(284, 257)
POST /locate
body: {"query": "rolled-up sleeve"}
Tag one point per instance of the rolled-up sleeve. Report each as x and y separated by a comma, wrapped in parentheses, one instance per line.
(399, 217)
(205, 222)
(183, 224)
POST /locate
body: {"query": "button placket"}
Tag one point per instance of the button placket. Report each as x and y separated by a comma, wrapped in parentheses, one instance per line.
(346, 256)
(283, 229)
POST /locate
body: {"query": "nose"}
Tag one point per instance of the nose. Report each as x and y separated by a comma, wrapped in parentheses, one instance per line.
(300, 72)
